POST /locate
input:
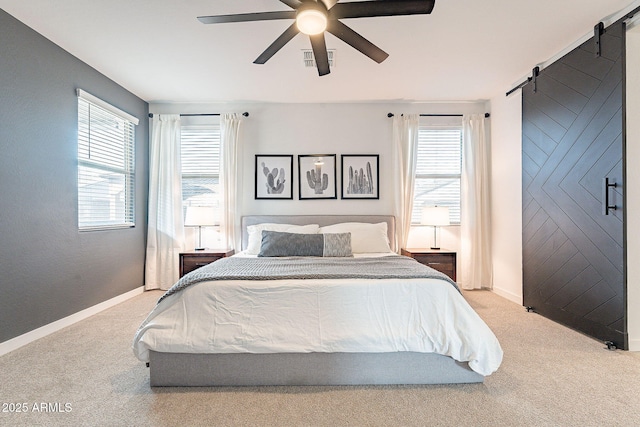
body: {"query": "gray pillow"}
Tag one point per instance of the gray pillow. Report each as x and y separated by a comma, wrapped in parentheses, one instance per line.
(278, 243)
(337, 244)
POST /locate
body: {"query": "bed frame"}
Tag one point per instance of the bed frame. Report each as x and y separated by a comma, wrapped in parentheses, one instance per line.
(244, 369)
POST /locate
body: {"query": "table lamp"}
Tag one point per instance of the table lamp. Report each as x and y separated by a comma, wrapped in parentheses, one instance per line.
(199, 216)
(435, 216)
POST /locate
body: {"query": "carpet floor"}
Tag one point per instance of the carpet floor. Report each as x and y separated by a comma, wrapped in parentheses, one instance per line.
(86, 375)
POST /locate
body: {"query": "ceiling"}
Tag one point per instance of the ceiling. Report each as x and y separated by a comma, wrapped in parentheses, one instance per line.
(466, 50)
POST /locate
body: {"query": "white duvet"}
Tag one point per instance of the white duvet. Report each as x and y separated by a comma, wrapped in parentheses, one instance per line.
(321, 315)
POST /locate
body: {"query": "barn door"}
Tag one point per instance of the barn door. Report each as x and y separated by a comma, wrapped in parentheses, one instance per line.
(573, 253)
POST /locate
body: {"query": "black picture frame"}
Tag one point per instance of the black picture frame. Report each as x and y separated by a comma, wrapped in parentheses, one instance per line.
(274, 177)
(317, 176)
(360, 176)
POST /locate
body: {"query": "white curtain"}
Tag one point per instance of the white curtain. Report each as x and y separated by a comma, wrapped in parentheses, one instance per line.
(405, 143)
(475, 205)
(165, 236)
(229, 173)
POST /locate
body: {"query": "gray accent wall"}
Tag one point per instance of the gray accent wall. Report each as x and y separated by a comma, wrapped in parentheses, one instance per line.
(48, 269)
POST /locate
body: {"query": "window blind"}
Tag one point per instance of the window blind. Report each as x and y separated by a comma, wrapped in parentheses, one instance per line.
(200, 165)
(106, 167)
(438, 169)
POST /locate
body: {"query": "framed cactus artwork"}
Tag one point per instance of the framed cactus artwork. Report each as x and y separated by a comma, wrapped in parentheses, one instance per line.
(317, 176)
(274, 176)
(360, 178)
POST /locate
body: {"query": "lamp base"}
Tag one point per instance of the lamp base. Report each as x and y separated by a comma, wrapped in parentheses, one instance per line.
(435, 246)
(199, 248)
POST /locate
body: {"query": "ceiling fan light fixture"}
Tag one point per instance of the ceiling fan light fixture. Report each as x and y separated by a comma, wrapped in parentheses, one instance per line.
(315, 17)
(311, 20)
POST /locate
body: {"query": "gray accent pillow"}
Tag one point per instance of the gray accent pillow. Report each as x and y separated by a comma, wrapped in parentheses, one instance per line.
(337, 244)
(277, 244)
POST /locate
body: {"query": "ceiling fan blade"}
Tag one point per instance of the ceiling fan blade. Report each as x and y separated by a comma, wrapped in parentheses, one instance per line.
(371, 8)
(284, 38)
(354, 39)
(293, 4)
(329, 3)
(247, 17)
(319, 47)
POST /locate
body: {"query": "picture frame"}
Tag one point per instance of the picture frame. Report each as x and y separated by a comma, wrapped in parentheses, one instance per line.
(317, 176)
(360, 176)
(274, 177)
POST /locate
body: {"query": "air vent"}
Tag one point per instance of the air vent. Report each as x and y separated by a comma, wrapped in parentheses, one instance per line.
(307, 57)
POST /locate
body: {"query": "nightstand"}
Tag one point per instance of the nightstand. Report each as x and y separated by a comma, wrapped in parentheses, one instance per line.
(442, 260)
(192, 260)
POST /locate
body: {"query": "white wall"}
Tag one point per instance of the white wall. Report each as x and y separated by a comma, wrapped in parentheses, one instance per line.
(633, 190)
(506, 190)
(318, 129)
(342, 128)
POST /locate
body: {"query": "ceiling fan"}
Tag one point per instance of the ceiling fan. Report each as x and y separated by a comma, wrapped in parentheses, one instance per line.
(314, 17)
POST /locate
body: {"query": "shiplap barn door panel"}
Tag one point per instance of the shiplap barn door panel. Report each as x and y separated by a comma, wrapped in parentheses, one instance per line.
(573, 258)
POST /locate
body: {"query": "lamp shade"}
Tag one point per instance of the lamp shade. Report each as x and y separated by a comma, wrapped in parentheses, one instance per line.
(435, 215)
(200, 216)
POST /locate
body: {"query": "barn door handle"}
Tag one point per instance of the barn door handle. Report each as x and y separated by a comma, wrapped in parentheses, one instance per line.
(605, 196)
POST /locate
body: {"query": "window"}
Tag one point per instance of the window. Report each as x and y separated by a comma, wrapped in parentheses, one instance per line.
(438, 168)
(200, 157)
(106, 165)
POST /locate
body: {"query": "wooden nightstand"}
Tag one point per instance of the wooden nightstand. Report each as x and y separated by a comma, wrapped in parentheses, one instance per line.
(192, 260)
(442, 260)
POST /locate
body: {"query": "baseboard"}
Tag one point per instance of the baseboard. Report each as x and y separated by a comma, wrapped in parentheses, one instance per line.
(634, 345)
(24, 339)
(508, 295)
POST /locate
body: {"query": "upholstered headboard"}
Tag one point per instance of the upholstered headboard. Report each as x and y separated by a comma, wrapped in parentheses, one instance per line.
(321, 220)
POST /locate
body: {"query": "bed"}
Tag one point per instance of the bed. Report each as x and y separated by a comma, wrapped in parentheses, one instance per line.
(354, 314)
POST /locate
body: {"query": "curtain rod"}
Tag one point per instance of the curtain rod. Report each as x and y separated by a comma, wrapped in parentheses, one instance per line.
(438, 115)
(201, 114)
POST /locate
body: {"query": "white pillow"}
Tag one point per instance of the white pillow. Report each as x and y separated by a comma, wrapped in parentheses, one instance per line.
(255, 233)
(364, 237)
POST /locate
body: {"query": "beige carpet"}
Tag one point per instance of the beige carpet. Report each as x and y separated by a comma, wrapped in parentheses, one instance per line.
(551, 376)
